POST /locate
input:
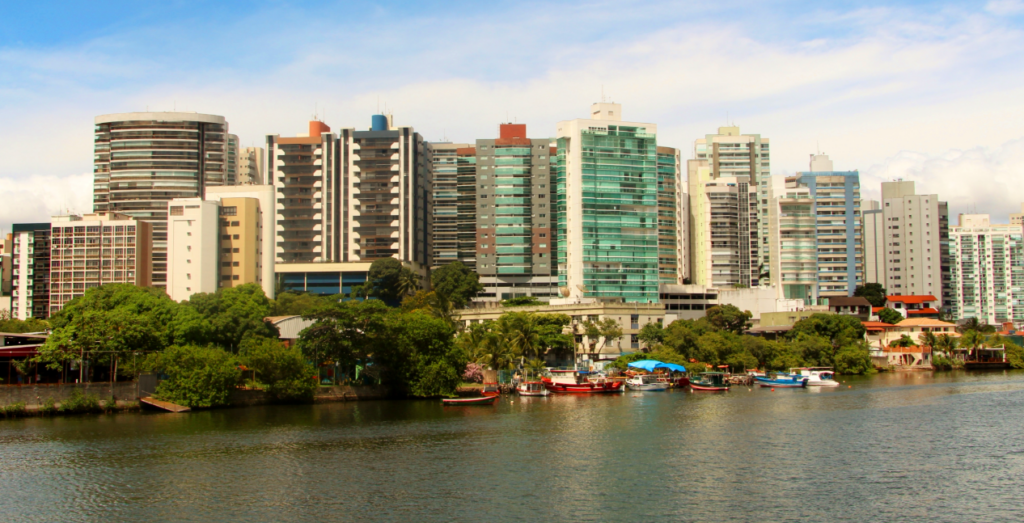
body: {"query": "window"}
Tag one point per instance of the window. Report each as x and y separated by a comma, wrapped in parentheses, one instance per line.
(176, 210)
(227, 251)
(229, 211)
(235, 250)
(235, 237)
(225, 237)
(225, 264)
(234, 224)
(235, 277)
(234, 264)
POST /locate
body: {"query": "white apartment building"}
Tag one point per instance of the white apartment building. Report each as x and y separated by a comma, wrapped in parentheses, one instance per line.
(730, 154)
(722, 212)
(193, 246)
(250, 166)
(987, 270)
(906, 242)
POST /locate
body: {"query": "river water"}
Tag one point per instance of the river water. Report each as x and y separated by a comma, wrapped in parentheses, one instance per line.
(892, 447)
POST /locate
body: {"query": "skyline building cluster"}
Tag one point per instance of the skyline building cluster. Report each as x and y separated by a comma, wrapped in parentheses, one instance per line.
(597, 211)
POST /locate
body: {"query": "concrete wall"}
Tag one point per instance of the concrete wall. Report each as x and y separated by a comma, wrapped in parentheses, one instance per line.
(38, 394)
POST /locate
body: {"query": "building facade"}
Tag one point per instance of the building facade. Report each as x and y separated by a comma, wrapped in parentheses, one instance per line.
(91, 250)
(987, 270)
(607, 207)
(231, 158)
(453, 203)
(6, 245)
(30, 271)
(250, 166)
(816, 237)
(144, 160)
(724, 248)
(730, 154)
(193, 229)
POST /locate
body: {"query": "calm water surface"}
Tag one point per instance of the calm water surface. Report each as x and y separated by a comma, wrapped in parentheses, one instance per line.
(894, 447)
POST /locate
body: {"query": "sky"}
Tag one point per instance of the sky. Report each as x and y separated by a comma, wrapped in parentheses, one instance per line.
(925, 91)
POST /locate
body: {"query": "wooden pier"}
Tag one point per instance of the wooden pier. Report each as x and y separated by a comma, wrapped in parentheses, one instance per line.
(163, 405)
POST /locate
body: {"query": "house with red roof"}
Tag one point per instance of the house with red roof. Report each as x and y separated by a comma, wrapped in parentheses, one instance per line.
(914, 306)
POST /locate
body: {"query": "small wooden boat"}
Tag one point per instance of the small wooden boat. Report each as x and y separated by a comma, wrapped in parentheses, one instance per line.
(457, 402)
(710, 382)
(491, 389)
(532, 388)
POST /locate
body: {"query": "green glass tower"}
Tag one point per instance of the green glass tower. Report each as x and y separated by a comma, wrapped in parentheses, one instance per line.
(608, 208)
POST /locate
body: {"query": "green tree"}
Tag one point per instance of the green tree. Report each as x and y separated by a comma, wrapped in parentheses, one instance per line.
(295, 304)
(891, 316)
(945, 344)
(346, 332)
(389, 281)
(551, 329)
(838, 329)
(235, 313)
(928, 339)
(652, 335)
(422, 360)
(285, 373)
(854, 358)
(972, 340)
(729, 318)
(197, 376)
(602, 332)
(904, 341)
(873, 292)
(457, 283)
(14, 325)
(976, 325)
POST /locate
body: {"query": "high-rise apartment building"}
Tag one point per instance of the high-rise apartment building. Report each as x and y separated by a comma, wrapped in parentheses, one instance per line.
(193, 240)
(231, 161)
(987, 270)
(673, 216)
(724, 250)
(6, 244)
(607, 207)
(816, 234)
(730, 154)
(30, 263)
(91, 250)
(453, 203)
(144, 160)
(906, 243)
(349, 198)
(250, 166)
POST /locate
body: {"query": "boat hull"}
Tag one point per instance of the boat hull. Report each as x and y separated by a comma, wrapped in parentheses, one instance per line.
(785, 384)
(584, 388)
(707, 388)
(466, 402)
(823, 383)
(647, 386)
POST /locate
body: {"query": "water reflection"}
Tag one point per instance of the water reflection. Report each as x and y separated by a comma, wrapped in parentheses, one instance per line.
(906, 447)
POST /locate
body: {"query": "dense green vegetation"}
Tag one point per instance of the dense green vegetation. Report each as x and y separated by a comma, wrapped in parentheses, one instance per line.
(890, 316)
(14, 325)
(873, 292)
(819, 340)
(518, 337)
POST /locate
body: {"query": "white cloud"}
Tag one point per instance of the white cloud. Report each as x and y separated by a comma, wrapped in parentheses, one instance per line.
(1005, 7)
(36, 198)
(978, 180)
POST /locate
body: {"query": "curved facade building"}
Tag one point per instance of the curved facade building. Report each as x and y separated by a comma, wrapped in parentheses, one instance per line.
(144, 160)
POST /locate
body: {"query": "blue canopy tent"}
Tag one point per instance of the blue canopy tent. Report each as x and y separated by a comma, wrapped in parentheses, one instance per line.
(650, 365)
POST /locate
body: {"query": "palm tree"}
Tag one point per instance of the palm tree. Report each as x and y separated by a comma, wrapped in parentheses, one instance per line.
(441, 307)
(497, 352)
(946, 344)
(526, 338)
(408, 281)
(927, 339)
(971, 340)
(974, 324)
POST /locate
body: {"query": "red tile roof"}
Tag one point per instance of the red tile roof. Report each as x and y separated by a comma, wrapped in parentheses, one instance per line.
(876, 325)
(876, 309)
(927, 310)
(911, 298)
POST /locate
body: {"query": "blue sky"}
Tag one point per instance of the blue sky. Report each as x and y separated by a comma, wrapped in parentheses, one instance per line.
(930, 91)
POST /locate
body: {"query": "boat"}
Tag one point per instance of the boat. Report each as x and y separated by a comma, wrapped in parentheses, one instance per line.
(491, 389)
(532, 388)
(646, 382)
(783, 381)
(460, 402)
(581, 382)
(817, 376)
(710, 382)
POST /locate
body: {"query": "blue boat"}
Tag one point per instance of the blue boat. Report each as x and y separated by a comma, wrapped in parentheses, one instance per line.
(785, 381)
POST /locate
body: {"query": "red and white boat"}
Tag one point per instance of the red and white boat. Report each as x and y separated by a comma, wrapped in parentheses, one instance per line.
(581, 382)
(532, 388)
(456, 402)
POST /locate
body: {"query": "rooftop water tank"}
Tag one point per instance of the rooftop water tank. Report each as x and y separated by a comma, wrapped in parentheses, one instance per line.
(379, 123)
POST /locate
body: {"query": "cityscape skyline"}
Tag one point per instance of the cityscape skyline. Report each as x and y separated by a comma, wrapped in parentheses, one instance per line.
(897, 91)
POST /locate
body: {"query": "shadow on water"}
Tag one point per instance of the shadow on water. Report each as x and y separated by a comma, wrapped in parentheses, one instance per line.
(890, 447)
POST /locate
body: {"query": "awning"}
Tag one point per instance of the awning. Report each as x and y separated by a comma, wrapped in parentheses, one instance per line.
(650, 365)
(18, 351)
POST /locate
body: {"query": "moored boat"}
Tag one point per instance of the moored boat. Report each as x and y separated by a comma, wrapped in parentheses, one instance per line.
(532, 388)
(648, 382)
(817, 376)
(581, 382)
(710, 382)
(457, 402)
(784, 381)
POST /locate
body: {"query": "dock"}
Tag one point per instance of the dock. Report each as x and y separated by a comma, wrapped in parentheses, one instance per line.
(163, 405)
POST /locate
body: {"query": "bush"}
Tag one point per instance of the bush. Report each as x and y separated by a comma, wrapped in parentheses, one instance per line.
(197, 376)
(14, 410)
(78, 402)
(854, 359)
(284, 371)
(49, 406)
(474, 373)
(944, 363)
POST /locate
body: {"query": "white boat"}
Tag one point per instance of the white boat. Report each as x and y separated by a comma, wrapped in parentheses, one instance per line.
(532, 388)
(646, 382)
(817, 376)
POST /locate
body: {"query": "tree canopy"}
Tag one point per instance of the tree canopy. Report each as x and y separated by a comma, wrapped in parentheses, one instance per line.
(873, 292)
(456, 283)
(888, 315)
